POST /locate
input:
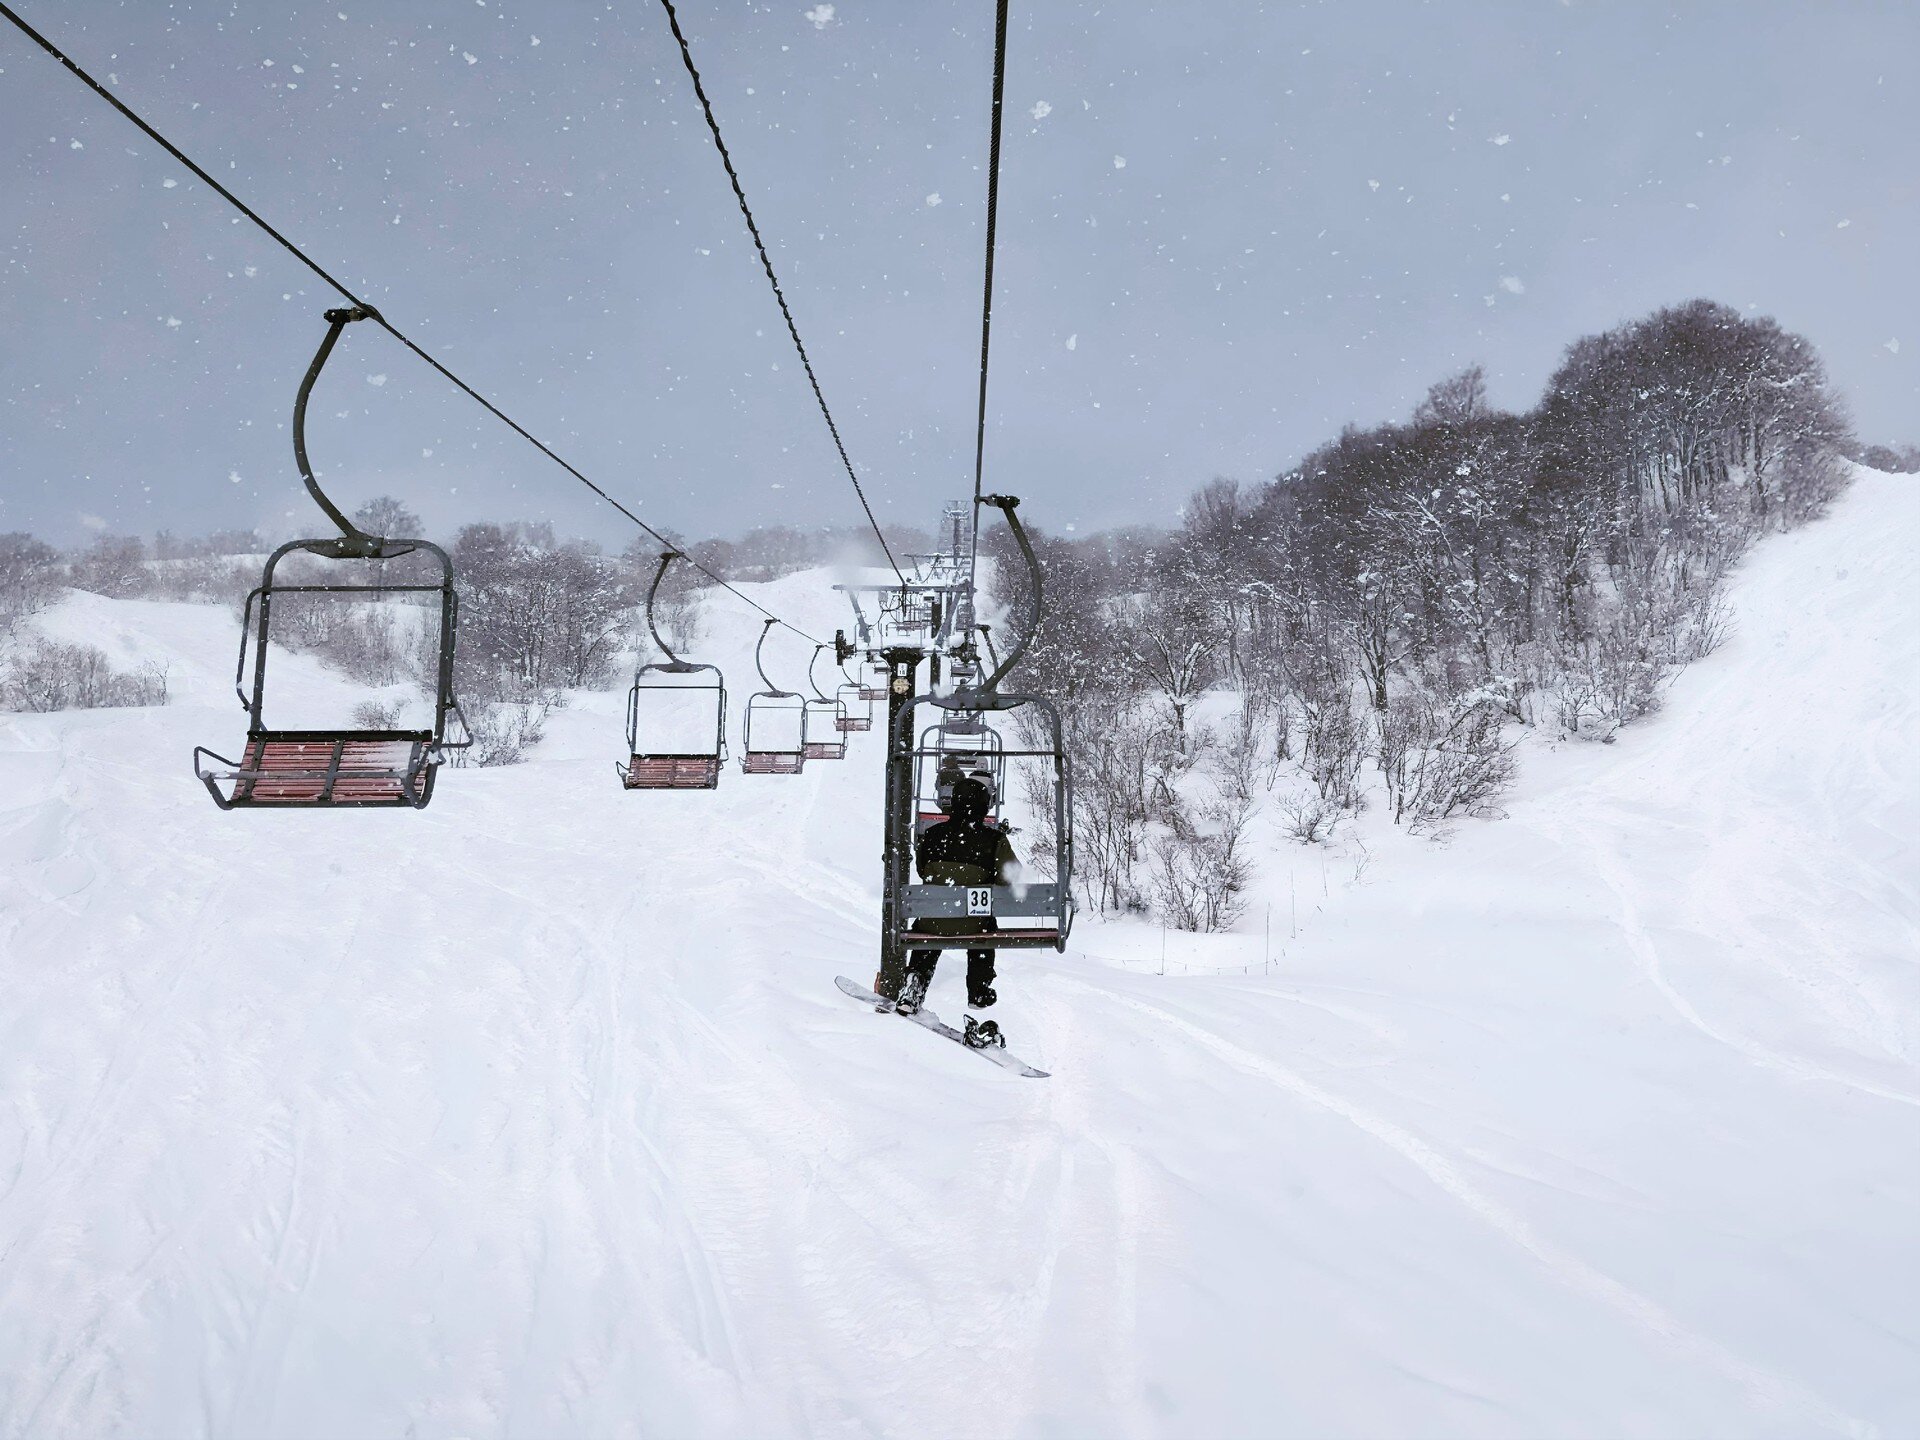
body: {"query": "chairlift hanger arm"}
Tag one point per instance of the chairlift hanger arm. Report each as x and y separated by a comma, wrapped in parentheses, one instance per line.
(355, 540)
(811, 679)
(766, 627)
(666, 558)
(1008, 506)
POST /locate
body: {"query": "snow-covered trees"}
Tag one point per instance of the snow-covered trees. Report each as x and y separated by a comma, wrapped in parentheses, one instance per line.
(540, 613)
(44, 675)
(1408, 592)
(29, 578)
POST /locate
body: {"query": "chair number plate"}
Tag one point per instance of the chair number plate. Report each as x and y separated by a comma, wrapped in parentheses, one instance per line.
(979, 900)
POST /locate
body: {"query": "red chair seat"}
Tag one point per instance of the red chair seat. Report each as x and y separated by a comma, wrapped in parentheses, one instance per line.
(773, 762)
(672, 772)
(348, 768)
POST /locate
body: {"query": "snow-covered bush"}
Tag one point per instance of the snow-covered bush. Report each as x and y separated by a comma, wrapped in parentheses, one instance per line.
(1442, 757)
(1199, 880)
(45, 675)
(114, 565)
(502, 732)
(1307, 816)
(376, 715)
(29, 578)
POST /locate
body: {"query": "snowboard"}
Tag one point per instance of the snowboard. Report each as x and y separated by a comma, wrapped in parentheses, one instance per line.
(927, 1020)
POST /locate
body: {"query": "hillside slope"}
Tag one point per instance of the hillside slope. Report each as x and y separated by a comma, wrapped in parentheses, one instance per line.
(538, 1113)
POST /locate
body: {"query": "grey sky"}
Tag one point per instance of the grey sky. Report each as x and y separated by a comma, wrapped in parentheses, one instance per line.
(1237, 227)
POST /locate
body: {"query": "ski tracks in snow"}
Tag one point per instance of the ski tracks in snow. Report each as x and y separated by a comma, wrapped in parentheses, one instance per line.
(1766, 1393)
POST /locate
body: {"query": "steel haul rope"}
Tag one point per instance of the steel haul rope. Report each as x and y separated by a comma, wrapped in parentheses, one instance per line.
(766, 264)
(986, 300)
(8, 13)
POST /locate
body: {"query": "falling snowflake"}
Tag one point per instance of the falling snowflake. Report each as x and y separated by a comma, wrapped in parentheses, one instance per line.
(469, 57)
(1893, 347)
(820, 16)
(376, 380)
(1843, 224)
(75, 145)
(173, 322)
(1041, 109)
(234, 476)
(1073, 341)
(1119, 162)
(1499, 139)
(1512, 285)
(1373, 184)
(934, 198)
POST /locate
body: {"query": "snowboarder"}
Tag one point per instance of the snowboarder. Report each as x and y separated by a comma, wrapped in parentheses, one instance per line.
(949, 776)
(961, 850)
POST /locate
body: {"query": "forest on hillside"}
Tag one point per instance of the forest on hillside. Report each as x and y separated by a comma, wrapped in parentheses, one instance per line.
(1398, 607)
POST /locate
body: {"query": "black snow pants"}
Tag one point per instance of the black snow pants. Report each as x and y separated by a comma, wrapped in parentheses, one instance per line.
(979, 962)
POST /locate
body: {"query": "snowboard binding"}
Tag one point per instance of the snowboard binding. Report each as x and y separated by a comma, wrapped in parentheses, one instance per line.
(983, 1034)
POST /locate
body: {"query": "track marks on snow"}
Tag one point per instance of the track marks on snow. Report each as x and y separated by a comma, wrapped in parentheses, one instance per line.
(1768, 1392)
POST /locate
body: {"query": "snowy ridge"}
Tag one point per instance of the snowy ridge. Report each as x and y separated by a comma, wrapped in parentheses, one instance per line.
(538, 1112)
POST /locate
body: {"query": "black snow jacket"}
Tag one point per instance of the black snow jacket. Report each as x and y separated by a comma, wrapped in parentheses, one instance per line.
(965, 850)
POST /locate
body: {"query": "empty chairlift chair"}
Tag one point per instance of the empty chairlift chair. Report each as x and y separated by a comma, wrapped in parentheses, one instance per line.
(344, 767)
(676, 716)
(822, 735)
(856, 710)
(773, 734)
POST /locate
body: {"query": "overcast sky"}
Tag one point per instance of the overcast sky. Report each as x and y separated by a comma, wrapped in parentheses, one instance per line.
(1226, 229)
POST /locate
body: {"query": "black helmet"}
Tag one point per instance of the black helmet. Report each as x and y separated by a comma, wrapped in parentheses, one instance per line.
(971, 800)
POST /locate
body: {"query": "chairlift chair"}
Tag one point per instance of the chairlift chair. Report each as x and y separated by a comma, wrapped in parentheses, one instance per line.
(773, 709)
(670, 680)
(1024, 915)
(1034, 914)
(856, 706)
(959, 745)
(348, 767)
(822, 735)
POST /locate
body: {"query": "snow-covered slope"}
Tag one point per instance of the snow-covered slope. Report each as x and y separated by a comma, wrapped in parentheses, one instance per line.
(537, 1113)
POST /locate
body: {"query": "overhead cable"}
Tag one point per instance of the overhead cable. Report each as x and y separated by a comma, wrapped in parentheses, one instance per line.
(766, 264)
(986, 299)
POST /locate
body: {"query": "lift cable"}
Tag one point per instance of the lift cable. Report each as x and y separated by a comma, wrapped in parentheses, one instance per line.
(766, 264)
(986, 300)
(8, 13)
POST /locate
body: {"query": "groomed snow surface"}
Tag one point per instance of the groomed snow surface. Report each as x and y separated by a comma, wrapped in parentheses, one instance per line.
(538, 1113)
